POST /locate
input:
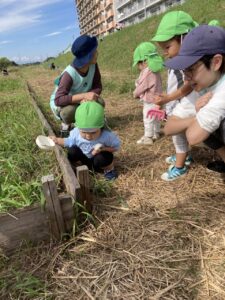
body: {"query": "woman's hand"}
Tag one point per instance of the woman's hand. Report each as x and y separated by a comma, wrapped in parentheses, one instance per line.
(90, 96)
(203, 100)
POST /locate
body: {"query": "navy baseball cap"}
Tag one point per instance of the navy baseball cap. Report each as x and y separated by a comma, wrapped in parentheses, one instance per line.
(202, 40)
(83, 49)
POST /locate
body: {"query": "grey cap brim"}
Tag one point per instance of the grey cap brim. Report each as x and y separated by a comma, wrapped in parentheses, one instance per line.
(181, 62)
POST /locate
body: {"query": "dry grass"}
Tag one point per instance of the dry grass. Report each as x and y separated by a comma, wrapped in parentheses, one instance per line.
(154, 240)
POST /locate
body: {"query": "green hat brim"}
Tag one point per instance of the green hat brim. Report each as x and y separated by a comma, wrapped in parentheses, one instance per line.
(162, 38)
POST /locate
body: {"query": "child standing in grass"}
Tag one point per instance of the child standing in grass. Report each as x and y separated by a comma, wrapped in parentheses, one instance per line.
(90, 143)
(149, 83)
(180, 98)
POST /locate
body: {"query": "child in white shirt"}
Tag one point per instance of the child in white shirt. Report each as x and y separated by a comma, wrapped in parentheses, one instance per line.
(202, 57)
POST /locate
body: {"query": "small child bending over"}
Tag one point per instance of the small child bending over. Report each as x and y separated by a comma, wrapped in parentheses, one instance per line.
(148, 84)
(90, 143)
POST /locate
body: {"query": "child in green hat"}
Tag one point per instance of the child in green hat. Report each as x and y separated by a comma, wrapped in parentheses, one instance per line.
(180, 98)
(90, 143)
(148, 84)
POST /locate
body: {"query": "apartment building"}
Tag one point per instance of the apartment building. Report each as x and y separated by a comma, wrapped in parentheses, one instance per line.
(96, 17)
(133, 11)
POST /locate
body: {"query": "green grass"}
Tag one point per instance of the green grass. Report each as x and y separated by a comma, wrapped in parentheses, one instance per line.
(21, 162)
(24, 285)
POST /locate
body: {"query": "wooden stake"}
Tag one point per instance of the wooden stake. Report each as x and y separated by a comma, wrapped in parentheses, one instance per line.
(53, 207)
(84, 181)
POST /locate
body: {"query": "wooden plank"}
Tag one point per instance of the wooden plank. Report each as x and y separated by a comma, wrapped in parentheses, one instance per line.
(28, 224)
(71, 183)
(84, 180)
(53, 207)
(31, 225)
(67, 203)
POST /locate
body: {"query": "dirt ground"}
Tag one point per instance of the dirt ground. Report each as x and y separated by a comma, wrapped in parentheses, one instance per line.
(154, 239)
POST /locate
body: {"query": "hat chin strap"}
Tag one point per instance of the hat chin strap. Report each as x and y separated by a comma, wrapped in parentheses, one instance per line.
(181, 39)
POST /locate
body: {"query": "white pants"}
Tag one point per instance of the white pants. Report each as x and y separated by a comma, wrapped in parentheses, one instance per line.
(184, 109)
(151, 125)
(180, 143)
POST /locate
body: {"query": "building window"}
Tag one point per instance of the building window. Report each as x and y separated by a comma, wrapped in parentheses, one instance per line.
(141, 16)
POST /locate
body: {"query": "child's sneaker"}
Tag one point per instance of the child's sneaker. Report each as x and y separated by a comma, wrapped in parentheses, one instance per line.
(155, 136)
(171, 160)
(110, 175)
(174, 173)
(145, 141)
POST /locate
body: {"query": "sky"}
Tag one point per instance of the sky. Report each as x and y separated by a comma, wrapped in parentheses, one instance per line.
(32, 30)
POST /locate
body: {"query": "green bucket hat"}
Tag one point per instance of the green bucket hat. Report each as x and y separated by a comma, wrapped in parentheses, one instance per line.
(147, 52)
(214, 23)
(174, 23)
(89, 116)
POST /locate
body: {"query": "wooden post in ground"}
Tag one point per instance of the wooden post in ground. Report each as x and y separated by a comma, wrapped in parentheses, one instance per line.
(53, 206)
(84, 181)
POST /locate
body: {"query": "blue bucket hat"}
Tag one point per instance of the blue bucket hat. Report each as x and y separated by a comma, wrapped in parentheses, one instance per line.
(202, 40)
(83, 49)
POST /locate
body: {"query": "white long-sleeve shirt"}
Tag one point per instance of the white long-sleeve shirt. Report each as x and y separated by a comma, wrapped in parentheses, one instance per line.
(210, 116)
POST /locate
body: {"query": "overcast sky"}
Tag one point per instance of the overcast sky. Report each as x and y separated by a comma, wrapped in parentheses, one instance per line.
(31, 30)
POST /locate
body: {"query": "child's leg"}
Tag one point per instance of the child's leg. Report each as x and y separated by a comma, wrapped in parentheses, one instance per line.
(148, 126)
(181, 147)
(75, 154)
(67, 113)
(104, 162)
(156, 129)
(179, 169)
(148, 122)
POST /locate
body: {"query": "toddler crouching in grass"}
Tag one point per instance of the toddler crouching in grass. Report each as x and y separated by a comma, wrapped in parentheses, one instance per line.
(90, 143)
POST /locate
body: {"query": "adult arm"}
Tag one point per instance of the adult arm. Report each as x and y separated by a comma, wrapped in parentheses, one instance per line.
(63, 98)
(178, 94)
(97, 81)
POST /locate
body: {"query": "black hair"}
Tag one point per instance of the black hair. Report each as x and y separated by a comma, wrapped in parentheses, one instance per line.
(206, 59)
(179, 38)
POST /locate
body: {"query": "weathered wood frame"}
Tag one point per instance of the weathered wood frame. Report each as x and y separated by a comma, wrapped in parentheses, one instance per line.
(34, 224)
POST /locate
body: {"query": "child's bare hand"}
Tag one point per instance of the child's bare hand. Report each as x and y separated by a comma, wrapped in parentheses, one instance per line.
(54, 138)
(160, 99)
(95, 152)
(203, 100)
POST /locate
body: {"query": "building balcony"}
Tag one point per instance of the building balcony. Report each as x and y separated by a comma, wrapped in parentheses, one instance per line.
(133, 11)
(100, 8)
(109, 2)
(121, 3)
(100, 19)
(110, 25)
(102, 30)
(109, 14)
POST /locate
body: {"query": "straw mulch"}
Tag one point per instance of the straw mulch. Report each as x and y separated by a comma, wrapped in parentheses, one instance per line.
(154, 240)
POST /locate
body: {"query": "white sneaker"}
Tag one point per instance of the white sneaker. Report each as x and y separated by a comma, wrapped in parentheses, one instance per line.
(155, 136)
(145, 141)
